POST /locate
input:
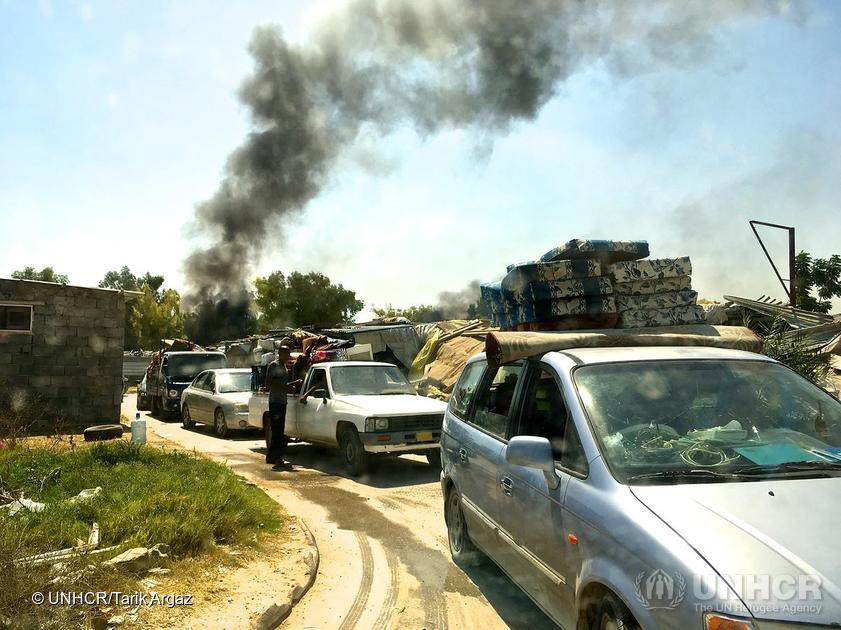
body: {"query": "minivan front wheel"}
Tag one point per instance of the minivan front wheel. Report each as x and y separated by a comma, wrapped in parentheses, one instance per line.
(613, 615)
(462, 549)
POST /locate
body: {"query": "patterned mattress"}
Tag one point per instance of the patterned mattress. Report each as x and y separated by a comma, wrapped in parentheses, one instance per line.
(654, 269)
(676, 316)
(647, 287)
(603, 251)
(523, 273)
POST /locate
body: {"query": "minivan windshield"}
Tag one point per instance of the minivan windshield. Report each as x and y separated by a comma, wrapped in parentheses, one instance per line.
(184, 367)
(371, 380)
(709, 420)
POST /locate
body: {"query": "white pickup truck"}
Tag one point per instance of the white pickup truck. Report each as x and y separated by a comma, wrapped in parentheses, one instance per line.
(362, 407)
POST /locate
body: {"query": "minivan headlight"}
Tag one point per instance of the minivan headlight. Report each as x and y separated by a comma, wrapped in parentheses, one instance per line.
(173, 393)
(714, 621)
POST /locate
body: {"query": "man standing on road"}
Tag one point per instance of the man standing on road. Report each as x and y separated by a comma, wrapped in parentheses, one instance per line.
(278, 385)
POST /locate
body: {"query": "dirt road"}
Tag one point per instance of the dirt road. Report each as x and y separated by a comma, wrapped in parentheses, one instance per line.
(382, 539)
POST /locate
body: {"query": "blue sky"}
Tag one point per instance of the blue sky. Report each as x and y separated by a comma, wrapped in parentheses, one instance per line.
(117, 117)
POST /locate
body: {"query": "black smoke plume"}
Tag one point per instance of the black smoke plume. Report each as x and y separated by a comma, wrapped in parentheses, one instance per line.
(433, 65)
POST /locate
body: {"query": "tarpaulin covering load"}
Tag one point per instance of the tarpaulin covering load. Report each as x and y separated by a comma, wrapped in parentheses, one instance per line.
(601, 250)
(449, 361)
(504, 347)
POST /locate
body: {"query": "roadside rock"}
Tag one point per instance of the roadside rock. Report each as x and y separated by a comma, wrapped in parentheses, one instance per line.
(140, 559)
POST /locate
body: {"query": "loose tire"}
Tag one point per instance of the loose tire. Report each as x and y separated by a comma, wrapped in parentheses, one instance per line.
(220, 425)
(434, 458)
(613, 615)
(186, 418)
(102, 432)
(353, 453)
(462, 549)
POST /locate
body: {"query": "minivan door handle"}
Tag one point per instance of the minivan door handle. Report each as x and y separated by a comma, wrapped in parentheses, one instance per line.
(462, 455)
(507, 486)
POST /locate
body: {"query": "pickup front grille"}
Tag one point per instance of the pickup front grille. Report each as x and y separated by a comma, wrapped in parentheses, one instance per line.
(430, 421)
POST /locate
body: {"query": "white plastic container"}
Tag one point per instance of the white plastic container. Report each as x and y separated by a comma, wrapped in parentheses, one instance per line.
(138, 429)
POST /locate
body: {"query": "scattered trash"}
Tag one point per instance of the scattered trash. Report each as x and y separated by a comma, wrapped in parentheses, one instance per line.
(23, 504)
(85, 495)
(140, 559)
(116, 620)
(52, 557)
(159, 571)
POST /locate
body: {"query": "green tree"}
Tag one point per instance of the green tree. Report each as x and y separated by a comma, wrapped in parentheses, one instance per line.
(299, 299)
(154, 316)
(151, 317)
(47, 274)
(125, 280)
(422, 314)
(821, 276)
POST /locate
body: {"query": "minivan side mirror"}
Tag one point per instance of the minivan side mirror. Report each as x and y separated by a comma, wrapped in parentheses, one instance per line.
(533, 452)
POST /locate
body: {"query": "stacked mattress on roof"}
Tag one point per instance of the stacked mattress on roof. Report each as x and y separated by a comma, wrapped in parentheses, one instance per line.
(593, 284)
(655, 292)
(566, 288)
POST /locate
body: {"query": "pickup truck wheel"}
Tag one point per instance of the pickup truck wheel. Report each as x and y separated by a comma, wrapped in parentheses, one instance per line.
(613, 615)
(186, 418)
(356, 459)
(220, 425)
(434, 458)
(462, 549)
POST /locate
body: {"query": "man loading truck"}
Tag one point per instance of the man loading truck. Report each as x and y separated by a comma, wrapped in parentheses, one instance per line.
(278, 386)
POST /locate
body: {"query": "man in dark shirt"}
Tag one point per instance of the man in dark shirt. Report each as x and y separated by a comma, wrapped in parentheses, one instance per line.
(278, 385)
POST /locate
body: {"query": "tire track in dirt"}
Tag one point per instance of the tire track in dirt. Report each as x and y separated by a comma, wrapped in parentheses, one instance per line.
(391, 596)
(361, 599)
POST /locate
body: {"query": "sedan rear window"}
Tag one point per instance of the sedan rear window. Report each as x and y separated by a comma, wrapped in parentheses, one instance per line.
(229, 382)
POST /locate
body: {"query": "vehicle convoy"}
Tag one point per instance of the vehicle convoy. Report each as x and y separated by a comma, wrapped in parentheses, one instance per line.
(218, 398)
(364, 408)
(643, 487)
(169, 376)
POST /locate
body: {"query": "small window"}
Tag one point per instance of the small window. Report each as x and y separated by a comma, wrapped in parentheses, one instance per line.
(15, 318)
(495, 397)
(545, 415)
(201, 380)
(465, 389)
(319, 381)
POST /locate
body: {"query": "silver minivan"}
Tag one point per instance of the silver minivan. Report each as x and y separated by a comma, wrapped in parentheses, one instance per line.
(650, 487)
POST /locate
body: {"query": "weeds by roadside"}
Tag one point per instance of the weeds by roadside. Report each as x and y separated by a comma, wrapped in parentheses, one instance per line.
(148, 496)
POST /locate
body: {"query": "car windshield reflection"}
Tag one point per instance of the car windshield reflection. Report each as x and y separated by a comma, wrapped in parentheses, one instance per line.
(709, 420)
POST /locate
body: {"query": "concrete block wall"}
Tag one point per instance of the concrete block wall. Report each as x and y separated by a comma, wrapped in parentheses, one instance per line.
(73, 358)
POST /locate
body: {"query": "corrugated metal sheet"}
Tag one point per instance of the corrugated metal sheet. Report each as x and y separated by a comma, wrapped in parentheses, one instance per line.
(794, 317)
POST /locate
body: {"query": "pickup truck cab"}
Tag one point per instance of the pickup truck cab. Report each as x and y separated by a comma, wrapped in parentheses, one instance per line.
(166, 381)
(364, 408)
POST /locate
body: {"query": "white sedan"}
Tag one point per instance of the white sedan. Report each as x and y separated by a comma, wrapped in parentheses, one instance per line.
(218, 398)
